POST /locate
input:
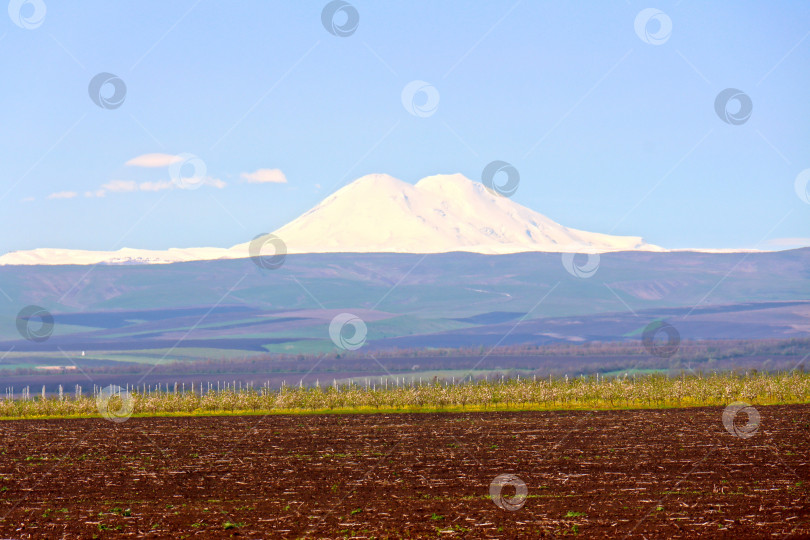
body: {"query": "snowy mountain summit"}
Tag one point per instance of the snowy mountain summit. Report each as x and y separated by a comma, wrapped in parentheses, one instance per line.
(442, 213)
(378, 213)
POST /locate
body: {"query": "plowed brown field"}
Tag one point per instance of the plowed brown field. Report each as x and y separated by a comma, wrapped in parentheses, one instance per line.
(642, 473)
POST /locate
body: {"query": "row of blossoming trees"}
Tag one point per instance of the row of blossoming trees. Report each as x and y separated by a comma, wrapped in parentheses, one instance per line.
(400, 395)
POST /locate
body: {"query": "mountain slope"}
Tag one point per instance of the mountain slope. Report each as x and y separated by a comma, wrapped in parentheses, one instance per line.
(406, 300)
(378, 213)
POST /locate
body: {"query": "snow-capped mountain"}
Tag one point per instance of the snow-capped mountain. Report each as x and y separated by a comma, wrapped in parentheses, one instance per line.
(442, 213)
(379, 213)
(55, 256)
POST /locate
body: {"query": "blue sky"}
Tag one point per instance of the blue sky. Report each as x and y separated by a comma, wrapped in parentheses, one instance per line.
(609, 133)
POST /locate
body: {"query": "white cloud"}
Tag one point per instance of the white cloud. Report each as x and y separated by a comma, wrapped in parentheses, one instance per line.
(214, 182)
(265, 176)
(187, 183)
(62, 195)
(153, 160)
(119, 186)
(130, 186)
(156, 186)
(28, 199)
(158, 160)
